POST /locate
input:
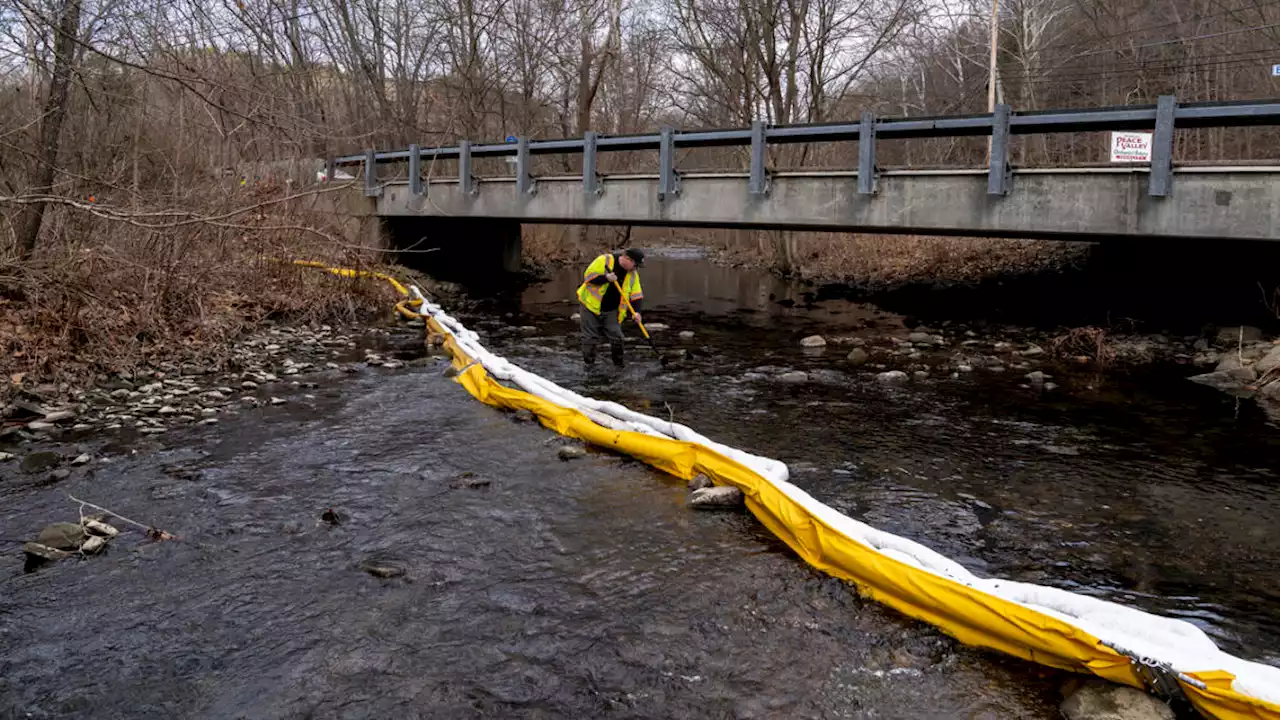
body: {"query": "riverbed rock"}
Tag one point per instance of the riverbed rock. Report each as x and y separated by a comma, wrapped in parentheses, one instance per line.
(1234, 335)
(468, 479)
(1100, 700)
(382, 569)
(716, 498)
(524, 416)
(1269, 362)
(857, 356)
(40, 461)
(62, 536)
(93, 545)
(700, 482)
(43, 552)
(1036, 378)
(795, 376)
(686, 334)
(813, 341)
(892, 377)
(571, 452)
(1226, 380)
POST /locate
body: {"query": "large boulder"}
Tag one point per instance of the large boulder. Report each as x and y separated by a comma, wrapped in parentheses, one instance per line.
(1099, 700)
(62, 536)
(1236, 334)
(1269, 362)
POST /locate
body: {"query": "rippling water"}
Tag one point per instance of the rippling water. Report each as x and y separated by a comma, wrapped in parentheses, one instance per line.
(585, 589)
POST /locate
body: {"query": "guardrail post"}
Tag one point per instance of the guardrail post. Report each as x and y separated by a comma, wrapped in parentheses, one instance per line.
(524, 179)
(867, 154)
(415, 170)
(759, 183)
(1160, 183)
(371, 173)
(466, 183)
(668, 180)
(330, 169)
(999, 174)
(591, 184)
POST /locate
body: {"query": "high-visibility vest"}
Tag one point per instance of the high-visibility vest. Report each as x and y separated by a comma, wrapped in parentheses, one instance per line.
(590, 295)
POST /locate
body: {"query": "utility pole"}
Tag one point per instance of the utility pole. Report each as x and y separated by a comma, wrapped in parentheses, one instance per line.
(991, 70)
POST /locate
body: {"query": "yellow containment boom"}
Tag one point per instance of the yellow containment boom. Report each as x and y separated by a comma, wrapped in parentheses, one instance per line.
(1044, 625)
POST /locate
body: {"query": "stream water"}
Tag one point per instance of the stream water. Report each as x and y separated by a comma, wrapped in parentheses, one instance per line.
(585, 589)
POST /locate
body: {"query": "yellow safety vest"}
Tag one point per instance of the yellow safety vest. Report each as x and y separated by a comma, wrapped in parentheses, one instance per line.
(590, 295)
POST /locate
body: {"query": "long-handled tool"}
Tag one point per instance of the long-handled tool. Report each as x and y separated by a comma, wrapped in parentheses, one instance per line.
(662, 359)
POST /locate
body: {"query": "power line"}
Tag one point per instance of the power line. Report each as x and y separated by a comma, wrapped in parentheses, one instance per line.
(1175, 41)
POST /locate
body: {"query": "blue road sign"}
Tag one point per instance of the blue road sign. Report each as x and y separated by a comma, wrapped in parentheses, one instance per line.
(512, 138)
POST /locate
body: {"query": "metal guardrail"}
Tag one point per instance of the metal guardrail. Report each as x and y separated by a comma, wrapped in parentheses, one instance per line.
(1164, 117)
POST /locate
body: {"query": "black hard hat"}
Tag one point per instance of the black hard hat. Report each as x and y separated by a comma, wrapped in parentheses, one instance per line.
(635, 254)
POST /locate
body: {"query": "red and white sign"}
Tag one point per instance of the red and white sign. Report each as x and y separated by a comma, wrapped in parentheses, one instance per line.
(1130, 147)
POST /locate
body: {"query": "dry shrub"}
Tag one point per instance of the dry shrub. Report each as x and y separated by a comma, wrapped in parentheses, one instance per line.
(1084, 342)
(106, 296)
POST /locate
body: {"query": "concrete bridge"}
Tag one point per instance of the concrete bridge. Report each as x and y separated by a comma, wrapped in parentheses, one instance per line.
(481, 217)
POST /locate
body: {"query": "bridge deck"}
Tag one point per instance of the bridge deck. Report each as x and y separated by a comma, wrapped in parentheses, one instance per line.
(1229, 202)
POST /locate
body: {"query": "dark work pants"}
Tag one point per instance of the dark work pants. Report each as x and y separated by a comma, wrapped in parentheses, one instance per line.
(597, 327)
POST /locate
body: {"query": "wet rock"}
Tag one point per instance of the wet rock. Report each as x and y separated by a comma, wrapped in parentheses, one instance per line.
(278, 401)
(1036, 378)
(382, 569)
(964, 368)
(1099, 700)
(920, 375)
(93, 545)
(571, 452)
(40, 426)
(524, 416)
(393, 364)
(655, 326)
(795, 376)
(1033, 351)
(40, 461)
(331, 517)
(1050, 387)
(857, 356)
(1200, 345)
(1269, 362)
(527, 329)
(716, 498)
(575, 317)
(5, 457)
(686, 334)
(60, 416)
(62, 536)
(469, 480)
(249, 385)
(813, 341)
(1236, 334)
(97, 527)
(60, 474)
(700, 482)
(43, 552)
(891, 377)
(167, 410)
(120, 394)
(1227, 380)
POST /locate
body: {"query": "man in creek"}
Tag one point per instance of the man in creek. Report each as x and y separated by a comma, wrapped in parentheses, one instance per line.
(603, 309)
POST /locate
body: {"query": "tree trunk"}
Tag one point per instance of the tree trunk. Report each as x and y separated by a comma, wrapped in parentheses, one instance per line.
(55, 112)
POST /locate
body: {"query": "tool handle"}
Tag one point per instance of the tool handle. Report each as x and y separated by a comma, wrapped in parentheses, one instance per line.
(627, 301)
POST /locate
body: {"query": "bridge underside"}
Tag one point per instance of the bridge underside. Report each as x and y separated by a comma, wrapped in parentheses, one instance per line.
(1079, 204)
